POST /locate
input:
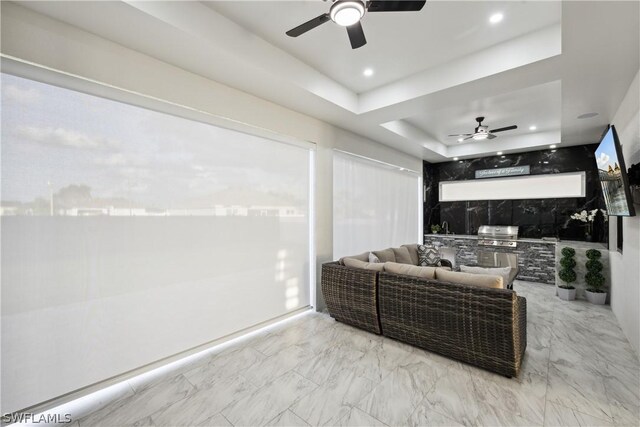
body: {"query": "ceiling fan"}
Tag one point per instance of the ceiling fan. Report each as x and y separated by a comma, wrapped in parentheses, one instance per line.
(483, 132)
(348, 13)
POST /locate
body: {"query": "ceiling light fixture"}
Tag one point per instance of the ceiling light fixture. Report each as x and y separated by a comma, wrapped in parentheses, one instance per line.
(455, 158)
(496, 17)
(534, 127)
(460, 139)
(368, 72)
(480, 136)
(346, 12)
(499, 153)
(552, 146)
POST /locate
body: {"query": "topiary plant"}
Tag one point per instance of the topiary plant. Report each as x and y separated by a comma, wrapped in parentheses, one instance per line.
(566, 273)
(594, 277)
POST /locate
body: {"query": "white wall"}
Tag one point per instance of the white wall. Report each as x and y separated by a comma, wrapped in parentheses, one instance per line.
(35, 38)
(625, 266)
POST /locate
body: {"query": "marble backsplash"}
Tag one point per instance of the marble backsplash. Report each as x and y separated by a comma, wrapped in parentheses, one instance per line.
(536, 218)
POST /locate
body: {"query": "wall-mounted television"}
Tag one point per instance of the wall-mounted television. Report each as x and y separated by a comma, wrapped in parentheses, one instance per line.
(613, 175)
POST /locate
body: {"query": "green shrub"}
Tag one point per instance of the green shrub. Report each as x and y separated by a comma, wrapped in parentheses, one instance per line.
(593, 254)
(595, 281)
(566, 273)
(594, 266)
(594, 278)
(567, 262)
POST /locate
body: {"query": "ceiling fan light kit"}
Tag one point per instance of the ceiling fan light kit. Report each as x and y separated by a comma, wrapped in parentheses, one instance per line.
(481, 132)
(346, 12)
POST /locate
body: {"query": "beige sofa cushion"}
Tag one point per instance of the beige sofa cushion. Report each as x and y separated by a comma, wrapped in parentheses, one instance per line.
(480, 280)
(504, 272)
(413, 252)
(402, 255)
(386, 255)
(356, 263)
(410, 270)
(362, 257)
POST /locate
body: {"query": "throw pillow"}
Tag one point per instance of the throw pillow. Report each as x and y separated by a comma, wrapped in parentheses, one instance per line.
(373, 258)
(503, 272)
(356, 263)
(386, 255)
(480, 280)
(413, 252)
(410, 270)
(362, 257)
(402, 255)
(428, 256)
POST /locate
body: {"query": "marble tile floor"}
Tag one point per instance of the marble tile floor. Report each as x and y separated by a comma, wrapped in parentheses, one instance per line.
(579, 370)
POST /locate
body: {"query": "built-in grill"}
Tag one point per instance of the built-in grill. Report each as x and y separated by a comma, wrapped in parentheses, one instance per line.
(504, 236)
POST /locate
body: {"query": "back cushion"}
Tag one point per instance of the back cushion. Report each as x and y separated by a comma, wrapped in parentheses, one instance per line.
(362, 257)
(504, 272)
(402, 255)
(480, 280)
(356, 263)
(428, 255)
(413, 252)
(410, 270)
(386, 255)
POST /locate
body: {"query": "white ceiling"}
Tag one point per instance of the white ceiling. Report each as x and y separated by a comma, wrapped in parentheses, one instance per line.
(399, 44)
(435, 70)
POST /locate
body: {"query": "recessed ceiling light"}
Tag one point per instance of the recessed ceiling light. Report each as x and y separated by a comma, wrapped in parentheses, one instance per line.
(368, 72)
(455, 158)
(553, 151)
(587, 115)
(499, 153)
(460, 161)
(496, 17)
(502, 157)
(533, 127)
(552, 146)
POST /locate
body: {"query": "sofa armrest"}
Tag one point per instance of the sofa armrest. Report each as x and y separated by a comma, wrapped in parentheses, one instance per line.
(445, 263)
(351, 295)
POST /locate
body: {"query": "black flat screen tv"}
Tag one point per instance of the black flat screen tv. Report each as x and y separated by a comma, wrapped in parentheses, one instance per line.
(613, 175)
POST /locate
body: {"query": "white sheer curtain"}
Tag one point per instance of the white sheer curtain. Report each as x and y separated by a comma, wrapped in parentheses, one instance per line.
(375, 205)
(130, 235)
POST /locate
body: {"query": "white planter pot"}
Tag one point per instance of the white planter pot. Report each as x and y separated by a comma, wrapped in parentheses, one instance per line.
(596, 297)
(566, 294)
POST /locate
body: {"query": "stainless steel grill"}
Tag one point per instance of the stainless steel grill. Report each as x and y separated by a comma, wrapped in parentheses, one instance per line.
(505, 236)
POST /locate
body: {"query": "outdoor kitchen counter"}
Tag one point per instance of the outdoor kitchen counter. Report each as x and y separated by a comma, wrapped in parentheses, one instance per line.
(536, 257)
(475, 237)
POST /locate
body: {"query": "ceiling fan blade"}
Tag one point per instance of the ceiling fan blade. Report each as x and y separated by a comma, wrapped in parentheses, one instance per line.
(462, 134)
(491, 136)
(356, 35)
(469, 137)
(503, 129)
(395, 6)
(309, 25)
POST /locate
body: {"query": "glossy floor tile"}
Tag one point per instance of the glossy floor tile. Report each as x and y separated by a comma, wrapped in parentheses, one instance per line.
(579, 370)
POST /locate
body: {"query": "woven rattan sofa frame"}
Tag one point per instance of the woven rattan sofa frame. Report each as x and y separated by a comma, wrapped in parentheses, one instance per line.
(480, 326)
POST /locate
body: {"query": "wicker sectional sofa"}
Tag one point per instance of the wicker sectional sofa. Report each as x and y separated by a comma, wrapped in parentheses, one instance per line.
(481, 326)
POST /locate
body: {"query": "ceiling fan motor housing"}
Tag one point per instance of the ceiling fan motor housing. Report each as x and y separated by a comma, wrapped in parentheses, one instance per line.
(347, 12)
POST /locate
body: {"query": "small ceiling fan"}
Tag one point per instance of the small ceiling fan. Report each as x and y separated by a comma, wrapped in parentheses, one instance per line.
(348, 13)
(483, 132)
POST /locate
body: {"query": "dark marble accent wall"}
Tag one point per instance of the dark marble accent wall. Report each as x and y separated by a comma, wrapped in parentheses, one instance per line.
(536, 218)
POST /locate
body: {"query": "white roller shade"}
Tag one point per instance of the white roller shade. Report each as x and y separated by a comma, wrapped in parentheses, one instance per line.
(375, 205)
(129, 236)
